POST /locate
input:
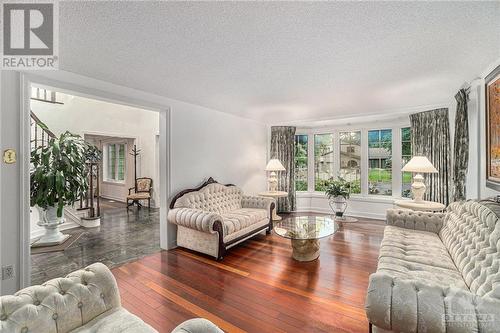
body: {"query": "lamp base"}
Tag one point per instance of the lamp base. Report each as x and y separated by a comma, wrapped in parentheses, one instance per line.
(418, 188)
(272, 180)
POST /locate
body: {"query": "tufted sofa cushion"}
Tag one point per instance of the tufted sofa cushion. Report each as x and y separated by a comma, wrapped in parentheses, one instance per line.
(215, 198)
(60, 305)
(240, 219)
(471, 233)
(414, 246)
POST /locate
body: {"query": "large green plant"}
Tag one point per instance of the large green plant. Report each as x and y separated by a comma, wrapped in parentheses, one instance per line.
(59, 172)
(338, 188)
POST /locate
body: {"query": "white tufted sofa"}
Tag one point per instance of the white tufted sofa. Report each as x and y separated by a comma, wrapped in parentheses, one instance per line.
(214, 217)
(438, 272)
(85, 301)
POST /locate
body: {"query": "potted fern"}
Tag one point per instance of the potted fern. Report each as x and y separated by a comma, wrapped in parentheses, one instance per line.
(58, 177)
(337, 192)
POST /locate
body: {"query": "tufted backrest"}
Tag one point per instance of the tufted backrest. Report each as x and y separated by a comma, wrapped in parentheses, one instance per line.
(471, 233)
(60, 305)
(215, 198)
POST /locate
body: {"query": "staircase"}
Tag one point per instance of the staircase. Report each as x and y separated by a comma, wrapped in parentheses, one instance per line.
(87, 210)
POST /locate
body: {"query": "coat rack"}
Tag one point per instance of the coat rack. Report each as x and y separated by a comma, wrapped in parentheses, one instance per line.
(135, 152)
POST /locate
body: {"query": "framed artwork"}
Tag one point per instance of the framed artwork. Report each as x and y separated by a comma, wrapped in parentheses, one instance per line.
(492, 85)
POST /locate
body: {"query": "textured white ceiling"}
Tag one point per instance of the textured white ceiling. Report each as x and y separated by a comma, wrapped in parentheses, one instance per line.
(282, 62)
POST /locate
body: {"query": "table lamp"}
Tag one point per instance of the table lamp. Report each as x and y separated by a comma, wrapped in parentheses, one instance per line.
(273, 166)
(419, 165)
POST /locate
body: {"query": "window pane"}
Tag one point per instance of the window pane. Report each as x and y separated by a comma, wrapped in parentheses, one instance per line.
(121, 162)
(111, 161)
(406, 156)
(380, 162)
(323, 160)
(350, 159)
(301, 162)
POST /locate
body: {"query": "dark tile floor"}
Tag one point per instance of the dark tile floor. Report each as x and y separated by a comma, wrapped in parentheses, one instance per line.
(122, 237)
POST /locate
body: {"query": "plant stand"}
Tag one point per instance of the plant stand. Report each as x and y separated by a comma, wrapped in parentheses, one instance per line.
(51, 223)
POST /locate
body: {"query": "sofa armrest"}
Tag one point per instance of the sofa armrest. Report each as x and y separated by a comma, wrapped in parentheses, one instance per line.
(409, 219)
(403, 305)
(194, 218)
(249, 201)
(197, 325)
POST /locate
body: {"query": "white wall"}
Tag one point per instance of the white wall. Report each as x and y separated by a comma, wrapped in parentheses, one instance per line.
(89, 116)
(476, 177)
(10, 178)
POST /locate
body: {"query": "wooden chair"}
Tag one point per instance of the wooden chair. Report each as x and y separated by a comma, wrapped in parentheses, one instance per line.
(142, 191)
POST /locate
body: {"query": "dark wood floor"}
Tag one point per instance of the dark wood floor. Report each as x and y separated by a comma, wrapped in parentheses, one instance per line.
(258, 287)
(123, 236)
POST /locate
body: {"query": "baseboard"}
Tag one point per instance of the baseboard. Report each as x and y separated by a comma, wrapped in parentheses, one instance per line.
(354, 214)
(153, 204)
(110, 197)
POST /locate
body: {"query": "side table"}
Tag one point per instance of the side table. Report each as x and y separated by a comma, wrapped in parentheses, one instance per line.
(275, 195)
(424, 206)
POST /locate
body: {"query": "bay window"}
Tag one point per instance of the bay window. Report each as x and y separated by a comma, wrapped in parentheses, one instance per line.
(380, 162)
(301, 162)
(350, 159)
(323, 160)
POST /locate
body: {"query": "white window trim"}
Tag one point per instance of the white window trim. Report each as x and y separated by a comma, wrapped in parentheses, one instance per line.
(106, 179)
(395, 126)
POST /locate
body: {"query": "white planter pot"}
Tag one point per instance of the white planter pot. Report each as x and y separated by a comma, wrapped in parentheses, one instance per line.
(338, 205)
(51, 223)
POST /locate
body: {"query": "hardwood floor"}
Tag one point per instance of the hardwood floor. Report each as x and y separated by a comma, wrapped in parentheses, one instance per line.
(258, 287)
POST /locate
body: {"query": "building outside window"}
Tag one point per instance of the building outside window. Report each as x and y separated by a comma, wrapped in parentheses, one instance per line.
(323, 160)
(406, 155)
(350, 159)
(380, 162)
(114, 162)
(301, 162)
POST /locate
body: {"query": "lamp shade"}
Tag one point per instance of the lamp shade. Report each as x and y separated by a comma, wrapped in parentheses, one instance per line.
(274, 165)
(419, 164)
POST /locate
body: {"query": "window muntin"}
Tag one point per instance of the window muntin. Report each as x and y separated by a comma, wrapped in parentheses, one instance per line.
(115, 162)
(323, 160)
(350, 159)
(406, 155)
(380, 162)
(301, 145)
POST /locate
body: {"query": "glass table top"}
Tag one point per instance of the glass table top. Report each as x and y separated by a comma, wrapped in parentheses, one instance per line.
(306, 227)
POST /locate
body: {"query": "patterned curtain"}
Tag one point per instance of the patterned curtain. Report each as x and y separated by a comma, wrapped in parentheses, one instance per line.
(283, 148)
(431, 138)
(461, 149)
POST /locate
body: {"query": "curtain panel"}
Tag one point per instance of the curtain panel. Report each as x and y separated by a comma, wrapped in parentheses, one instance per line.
(461, 146)
(283, 148)
(431, 138)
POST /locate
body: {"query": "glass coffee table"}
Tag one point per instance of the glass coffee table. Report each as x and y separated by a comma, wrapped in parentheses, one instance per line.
(305, 233)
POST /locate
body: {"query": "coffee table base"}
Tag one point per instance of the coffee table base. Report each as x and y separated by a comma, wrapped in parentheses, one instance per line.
(305, 249)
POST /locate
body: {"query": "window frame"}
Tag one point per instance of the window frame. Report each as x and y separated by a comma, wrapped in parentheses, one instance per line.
(333, 167)
(395, 125)
(380, 129)
(105, 163)
(360, 165)
(307, 162)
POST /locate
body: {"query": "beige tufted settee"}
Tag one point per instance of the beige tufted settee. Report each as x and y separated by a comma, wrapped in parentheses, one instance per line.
(85, 301)
(438, 272)
(214, 217)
